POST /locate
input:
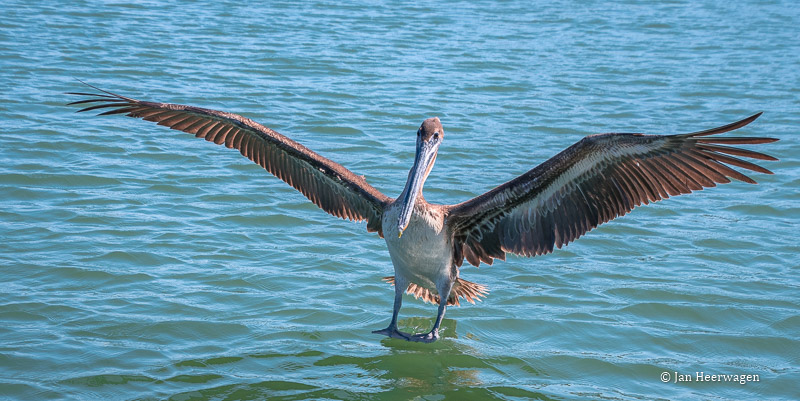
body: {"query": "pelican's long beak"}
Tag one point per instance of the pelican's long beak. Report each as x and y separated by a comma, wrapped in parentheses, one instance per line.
(423, 162)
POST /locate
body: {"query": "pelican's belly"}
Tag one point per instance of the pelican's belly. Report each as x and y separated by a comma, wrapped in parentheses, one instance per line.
(423, 255)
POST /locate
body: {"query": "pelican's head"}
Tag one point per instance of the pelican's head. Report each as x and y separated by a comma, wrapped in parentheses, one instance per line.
(429, 136)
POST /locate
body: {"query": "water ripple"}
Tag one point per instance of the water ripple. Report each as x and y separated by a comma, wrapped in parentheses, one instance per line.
(141, 264)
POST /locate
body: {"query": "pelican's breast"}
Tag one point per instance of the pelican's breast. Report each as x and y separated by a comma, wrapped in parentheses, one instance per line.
(423, 255)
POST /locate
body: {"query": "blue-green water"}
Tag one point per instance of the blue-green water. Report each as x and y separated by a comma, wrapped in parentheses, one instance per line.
(140, 263)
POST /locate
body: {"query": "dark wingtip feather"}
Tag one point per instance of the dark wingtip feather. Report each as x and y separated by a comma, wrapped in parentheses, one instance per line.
(726, 128)
(741, 140)
(735, 151)
(105, 99)
(101, 106)
(107, 94)
(117, 111)
(102, 99)
(88, 94)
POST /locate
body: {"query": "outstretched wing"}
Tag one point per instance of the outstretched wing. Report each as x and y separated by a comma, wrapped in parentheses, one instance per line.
(591, 182)
(329, 185)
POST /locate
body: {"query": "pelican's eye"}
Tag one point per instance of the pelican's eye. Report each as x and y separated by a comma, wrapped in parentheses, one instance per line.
(436, 135)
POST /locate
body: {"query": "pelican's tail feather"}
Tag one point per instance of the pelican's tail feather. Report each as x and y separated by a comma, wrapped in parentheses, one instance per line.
(461, 289)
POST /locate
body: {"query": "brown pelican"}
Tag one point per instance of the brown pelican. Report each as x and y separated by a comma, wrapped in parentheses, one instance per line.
(591, 182)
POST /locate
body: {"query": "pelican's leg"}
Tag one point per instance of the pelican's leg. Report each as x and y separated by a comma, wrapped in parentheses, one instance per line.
(391, 331)
(433, 335)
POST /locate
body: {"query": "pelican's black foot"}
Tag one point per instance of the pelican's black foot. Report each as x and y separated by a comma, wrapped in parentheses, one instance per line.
(392, 332)
(425, 337)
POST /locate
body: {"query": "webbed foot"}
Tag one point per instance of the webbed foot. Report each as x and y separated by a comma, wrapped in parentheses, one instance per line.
(430, 337)
(392, 332)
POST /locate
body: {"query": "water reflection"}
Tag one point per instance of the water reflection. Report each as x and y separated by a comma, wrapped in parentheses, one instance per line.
(396, 370)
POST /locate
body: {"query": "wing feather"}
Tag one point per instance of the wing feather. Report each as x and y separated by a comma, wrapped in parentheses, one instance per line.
(593, 181)
(329, 185)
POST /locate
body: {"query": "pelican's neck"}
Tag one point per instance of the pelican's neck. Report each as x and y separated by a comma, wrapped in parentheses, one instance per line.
(423, 163)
